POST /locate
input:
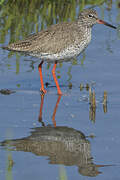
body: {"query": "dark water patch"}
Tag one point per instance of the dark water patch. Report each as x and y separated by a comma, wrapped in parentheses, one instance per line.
(6, 91)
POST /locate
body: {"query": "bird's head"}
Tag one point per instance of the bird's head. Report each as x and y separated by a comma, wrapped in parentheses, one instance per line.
(89, 17)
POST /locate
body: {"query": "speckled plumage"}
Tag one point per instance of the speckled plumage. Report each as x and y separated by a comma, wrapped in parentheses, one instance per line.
(60, 41)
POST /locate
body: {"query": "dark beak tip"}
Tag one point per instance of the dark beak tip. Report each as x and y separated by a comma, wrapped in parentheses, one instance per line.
(99, 21)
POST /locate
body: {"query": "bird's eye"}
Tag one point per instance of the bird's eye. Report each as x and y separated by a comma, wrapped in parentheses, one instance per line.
(90, 15)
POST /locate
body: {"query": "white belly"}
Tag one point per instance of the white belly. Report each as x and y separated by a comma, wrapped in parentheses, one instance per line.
(66, 54)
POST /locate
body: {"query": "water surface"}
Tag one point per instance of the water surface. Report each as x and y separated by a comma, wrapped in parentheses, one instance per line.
(51, 136)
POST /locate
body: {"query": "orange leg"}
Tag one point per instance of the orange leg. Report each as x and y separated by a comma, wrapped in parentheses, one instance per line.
(55, 110)
(55, 79)
(41, 78)
(41, 108)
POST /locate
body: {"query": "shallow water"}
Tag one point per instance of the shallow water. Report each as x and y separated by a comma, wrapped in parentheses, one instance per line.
(60, 137)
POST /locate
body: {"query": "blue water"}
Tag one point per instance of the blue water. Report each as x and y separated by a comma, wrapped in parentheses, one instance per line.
(19, 111)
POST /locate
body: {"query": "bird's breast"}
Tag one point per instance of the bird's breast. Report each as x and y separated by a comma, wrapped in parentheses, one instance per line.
(69, 52)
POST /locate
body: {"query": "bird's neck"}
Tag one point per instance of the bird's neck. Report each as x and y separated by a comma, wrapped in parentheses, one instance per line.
(83, 24)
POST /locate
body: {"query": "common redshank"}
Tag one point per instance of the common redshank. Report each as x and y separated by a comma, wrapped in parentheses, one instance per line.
(62, 41)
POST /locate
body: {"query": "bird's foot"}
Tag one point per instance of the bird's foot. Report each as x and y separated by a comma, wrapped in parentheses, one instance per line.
(43, 91)
(60, 93)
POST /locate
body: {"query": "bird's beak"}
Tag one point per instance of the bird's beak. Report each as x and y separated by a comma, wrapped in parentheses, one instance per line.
(99, 21)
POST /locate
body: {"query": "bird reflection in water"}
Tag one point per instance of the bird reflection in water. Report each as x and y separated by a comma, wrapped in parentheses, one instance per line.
(54, 113)
(62, 144)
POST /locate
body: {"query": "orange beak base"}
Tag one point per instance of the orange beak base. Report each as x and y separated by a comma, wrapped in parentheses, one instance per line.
(99, 21)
